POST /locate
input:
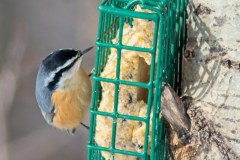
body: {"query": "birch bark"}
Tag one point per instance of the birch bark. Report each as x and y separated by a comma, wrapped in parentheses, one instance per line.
(211, 75)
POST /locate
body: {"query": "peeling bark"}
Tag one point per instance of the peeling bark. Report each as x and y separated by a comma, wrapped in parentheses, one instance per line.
(211, 76)
(173, 110)
(192, 135)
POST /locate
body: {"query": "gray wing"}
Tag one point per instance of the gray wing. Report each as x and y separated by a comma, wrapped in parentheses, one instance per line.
(43, 96)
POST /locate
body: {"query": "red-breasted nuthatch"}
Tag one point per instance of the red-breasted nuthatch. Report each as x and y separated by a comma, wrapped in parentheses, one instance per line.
(63, 89)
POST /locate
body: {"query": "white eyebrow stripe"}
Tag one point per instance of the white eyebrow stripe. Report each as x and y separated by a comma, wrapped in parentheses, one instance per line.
(53, 73)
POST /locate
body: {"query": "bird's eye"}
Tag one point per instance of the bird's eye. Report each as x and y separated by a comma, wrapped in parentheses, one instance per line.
(78, 53)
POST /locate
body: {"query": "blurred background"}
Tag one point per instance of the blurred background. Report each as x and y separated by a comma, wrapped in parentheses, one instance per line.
(29, 30)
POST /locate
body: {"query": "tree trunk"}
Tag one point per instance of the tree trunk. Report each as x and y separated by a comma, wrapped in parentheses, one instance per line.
(211, 76)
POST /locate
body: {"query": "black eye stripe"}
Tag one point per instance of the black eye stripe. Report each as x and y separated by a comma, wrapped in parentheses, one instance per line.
(52, 84)
(58, 58)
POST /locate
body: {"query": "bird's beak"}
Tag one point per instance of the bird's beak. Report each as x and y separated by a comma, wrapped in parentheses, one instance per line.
(86, 50)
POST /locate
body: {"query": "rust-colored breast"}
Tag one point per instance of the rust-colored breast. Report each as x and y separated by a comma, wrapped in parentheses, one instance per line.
(72, 101)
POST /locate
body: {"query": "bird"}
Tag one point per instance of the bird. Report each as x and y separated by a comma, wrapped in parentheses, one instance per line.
(63, 89)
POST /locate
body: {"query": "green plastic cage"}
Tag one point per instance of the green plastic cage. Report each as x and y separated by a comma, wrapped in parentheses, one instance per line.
(169, 39)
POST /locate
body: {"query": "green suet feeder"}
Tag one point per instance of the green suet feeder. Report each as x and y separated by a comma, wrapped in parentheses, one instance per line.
(169, 39)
